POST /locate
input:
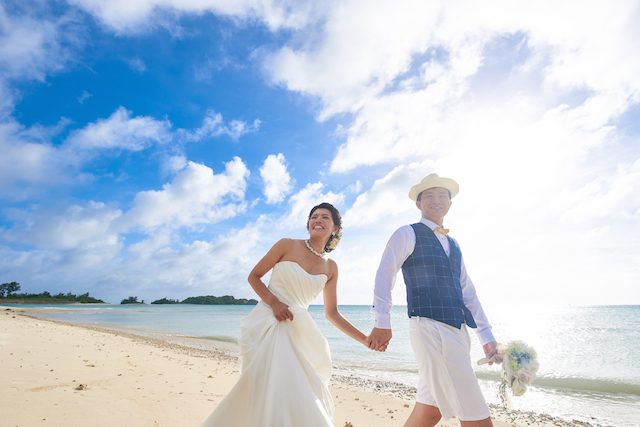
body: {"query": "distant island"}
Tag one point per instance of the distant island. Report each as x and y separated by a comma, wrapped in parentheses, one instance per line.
(223, 300)
(8, 295)
(203, 300)
(131, 300)
(209, 300)
(166, 301)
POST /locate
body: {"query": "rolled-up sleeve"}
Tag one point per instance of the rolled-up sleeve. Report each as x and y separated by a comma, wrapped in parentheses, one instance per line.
(471, 301)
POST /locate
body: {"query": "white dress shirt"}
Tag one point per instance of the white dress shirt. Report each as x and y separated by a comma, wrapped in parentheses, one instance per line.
(400, 246)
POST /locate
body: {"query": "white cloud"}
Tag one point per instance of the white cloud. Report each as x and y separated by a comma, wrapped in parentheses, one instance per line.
(30, 48)
(517, 102)
(275, 177)
(27, 164)
(535, 191)
(137, 65)
(581, 54)
(86, 227)
(123, 16)
(162, 265)
(387, 199)
(84, 96)
(6, 100)
(354, 67)
(354, 59)
(608, 197)
(237, 128)
(209, 68)
(355, 187)
(120, 131)
(173, 164)
(213, 125)
(51, 246)
(300, 203)
(166, 266)
(31, 163)
(196, 195)
(401, 125)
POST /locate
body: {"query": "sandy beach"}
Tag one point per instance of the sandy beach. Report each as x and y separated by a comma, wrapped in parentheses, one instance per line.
(59, 374)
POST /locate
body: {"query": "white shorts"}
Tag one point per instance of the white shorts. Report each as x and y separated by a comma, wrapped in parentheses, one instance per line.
(445, 377)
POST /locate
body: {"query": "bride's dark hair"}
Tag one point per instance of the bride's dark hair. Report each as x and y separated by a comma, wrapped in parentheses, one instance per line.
(333, 241)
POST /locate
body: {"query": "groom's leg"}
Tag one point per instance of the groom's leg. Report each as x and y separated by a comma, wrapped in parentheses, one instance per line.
(423, 416)
(428, 416)
(480, 423)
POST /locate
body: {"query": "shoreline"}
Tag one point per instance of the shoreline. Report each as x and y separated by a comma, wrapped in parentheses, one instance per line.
(359, 401)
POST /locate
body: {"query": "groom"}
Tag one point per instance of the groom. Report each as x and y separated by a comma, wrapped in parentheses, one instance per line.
(441, 303)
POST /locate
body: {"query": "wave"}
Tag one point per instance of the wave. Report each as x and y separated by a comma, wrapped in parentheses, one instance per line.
(576, 384)
(568, 384)
(222, 338)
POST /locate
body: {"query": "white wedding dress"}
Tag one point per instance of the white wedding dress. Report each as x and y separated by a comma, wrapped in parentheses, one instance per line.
(285, 365)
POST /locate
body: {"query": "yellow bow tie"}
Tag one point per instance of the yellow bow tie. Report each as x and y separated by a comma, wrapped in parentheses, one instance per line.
(441, 230)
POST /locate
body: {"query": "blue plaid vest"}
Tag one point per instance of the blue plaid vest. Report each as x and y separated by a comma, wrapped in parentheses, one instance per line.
(433, 280)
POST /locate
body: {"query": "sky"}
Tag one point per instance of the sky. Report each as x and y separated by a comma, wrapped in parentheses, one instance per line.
(158, 148)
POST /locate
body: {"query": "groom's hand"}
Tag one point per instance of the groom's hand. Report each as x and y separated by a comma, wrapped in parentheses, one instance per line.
(379, 339)
(491, 352)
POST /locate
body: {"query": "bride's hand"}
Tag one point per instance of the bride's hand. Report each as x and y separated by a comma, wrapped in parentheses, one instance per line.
(365, 341)
(281, 311)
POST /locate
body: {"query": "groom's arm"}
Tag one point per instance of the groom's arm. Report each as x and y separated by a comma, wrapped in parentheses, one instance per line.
(472, 302)
(398, 248)
(483, 330)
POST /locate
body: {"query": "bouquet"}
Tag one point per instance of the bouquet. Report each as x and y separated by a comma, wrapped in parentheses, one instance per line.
(519, 366)
(519, 369)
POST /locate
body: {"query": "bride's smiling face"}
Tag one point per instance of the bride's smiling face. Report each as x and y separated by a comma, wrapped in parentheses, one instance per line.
(321, 223)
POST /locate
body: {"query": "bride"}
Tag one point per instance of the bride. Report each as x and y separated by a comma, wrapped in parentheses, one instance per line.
(286, 362)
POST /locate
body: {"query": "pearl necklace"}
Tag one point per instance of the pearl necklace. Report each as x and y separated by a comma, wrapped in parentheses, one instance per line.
(313, 251)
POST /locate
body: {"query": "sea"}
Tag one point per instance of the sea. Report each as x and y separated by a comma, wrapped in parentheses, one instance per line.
(589, 356)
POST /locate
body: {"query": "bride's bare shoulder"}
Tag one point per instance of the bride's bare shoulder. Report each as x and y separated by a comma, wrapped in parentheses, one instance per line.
(286, 241)
(286, 246)
(332, 268)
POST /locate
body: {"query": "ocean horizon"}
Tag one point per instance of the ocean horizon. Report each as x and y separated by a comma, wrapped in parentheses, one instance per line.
(588, 368)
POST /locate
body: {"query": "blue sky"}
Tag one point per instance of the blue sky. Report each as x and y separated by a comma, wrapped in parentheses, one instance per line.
(159, 148)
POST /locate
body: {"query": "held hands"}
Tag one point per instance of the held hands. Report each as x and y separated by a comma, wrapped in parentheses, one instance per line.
(281, 311)
(378, 339)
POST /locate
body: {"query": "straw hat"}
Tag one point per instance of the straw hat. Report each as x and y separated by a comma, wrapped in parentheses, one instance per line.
(433, 180)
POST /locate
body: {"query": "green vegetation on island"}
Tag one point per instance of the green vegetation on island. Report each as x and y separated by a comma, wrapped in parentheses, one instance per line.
(223, 300)
(204, 300)
(131, 300)
(8, 295)
(209, 300)
(166, 301)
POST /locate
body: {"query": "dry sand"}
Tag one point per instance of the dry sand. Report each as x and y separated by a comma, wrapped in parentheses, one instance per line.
(58, 374)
